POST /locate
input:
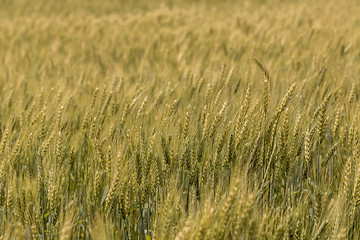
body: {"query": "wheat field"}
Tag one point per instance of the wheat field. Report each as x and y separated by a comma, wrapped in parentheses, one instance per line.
(179, 120)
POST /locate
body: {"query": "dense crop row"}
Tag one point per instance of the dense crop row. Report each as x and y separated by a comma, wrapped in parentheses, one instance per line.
(179, 121)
